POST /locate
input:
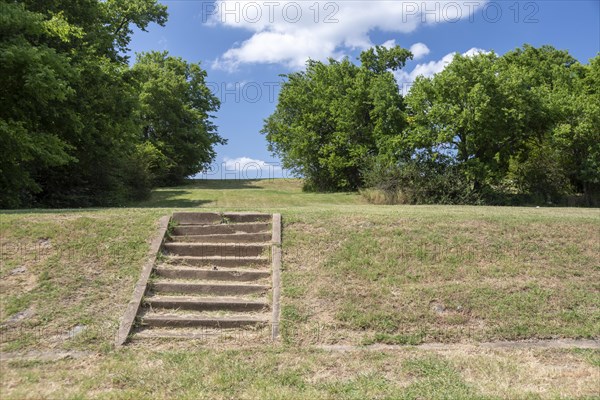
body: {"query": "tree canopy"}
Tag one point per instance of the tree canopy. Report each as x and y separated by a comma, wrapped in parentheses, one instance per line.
(175, 111)
(525, 122)
(79, 126)
(334, 115)
(75, 117)
(522, 124)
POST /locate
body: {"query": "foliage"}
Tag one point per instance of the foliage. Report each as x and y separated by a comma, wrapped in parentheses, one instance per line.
(381, 59)
(72, 111)
(527, 121)
(518, 127)
(175, 112)
(424, 179)
(466, 109)
(331, 117)
(33, 96)
(541, 174)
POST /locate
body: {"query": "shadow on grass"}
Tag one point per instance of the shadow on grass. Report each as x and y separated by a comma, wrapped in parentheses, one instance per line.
(52, 210)
(171, 198)
(167, 197)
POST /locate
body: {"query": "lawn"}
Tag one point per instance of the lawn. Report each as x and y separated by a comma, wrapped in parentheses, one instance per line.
(441, 274)
(354, 274)
(246, 195)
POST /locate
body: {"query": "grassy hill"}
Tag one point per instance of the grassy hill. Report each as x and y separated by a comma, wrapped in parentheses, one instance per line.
(354, 274)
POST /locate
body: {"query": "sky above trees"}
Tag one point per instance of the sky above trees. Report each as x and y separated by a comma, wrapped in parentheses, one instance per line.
(245, 45)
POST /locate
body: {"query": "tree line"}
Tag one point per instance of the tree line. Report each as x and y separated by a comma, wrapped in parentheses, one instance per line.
(519, 128)
(79, 126)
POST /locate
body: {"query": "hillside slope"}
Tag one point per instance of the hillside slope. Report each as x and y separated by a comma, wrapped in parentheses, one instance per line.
(353, 274)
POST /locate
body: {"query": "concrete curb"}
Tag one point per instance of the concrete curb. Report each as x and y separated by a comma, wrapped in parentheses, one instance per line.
(276, 255)
(525, 344)
(140, 287)
(51, 355)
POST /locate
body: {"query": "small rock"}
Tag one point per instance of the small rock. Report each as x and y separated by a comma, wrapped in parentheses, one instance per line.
(78, 329)
(44, 242)
(18, 270)
(438, 308)
(20, 316)
(459, 308)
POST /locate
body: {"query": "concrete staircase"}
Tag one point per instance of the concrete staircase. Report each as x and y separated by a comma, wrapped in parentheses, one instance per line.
(214, 279)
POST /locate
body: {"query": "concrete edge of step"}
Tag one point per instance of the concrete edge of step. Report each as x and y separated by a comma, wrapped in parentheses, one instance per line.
(134, 305)
(190, 218)
(210, 299)
(237, 275)
(166, 320)
(213, 244)
(204, 304)
(276, 266)
(159, 242)
(219, 261)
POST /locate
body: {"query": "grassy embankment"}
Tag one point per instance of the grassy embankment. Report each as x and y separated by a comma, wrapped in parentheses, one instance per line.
(353, 274)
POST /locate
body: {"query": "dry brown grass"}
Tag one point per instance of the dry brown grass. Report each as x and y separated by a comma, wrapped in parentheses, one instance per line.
(439, 276)
(69, 276)
(268, 372)
(352, 274)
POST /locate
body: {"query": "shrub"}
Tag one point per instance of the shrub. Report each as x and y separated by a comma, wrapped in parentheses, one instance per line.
(423, 179)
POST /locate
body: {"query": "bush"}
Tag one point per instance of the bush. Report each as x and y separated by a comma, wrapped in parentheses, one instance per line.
(423, 179)
(542, 176)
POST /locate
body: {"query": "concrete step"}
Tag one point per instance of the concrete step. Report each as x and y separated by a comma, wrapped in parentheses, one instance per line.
(223, 238)
(210, 274)
(252, 335)
(220, 262)
(206, 304)
(201, 321)
(216, 249)
(216, 289)
(194, 218)
(222, 229)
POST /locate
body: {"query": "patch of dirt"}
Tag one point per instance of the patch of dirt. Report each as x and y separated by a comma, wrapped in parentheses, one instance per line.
(19, 317)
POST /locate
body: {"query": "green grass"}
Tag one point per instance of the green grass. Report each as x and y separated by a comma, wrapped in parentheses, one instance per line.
(353, 273)
(449, 274)
(79, 269)
(291, 373)
(245, 194)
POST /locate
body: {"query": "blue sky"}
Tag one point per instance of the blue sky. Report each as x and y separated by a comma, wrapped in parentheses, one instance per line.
(245, 45)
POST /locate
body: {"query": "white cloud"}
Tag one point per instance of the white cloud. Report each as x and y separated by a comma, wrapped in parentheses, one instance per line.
(419, 50)
(289, 32)
(474, 51)
(235, 85)
(242, 168)
(389, 44)
(406, 79)
(249, 164)
(249, 168)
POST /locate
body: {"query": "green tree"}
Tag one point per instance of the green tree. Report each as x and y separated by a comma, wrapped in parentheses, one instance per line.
(466, 110)
(176, 107)
(106, 102)
(122, 14)
(526, 122)
(381, 59)
(34, 90)
(562, 105)
(331, 117)
(106, 24)
(575, 134)
(69, 125)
